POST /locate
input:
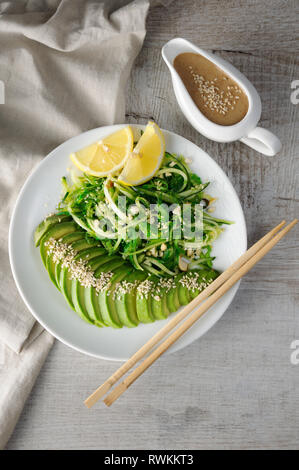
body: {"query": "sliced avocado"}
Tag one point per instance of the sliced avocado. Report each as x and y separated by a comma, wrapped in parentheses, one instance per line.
(65, 283)
(56, 231)
(84, 244)
(47, 223)
(204, 278)
(89, 253)
(83, 248)
(92, 306)
(108, 265)
(111, 263)
(183, 292)
(143, 304)
(159, 305)
(165, 301)
(73, 237)
(78, 301)
(78, 295)
(69, 239)
(172, 299)
(126, 302)
(106, 297)
(52, 267)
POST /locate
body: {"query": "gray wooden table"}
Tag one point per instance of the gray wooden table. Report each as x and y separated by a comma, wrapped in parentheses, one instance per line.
(235, 387)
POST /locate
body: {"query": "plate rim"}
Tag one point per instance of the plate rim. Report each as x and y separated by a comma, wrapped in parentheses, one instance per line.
(13, 221)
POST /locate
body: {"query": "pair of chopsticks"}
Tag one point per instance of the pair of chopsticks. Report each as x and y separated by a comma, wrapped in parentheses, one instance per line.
(211, 294)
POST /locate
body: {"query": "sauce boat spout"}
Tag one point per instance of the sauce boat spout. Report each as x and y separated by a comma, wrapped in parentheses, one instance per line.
(174, 47)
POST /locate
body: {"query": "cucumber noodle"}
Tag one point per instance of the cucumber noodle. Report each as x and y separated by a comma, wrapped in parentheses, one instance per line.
(131, 230)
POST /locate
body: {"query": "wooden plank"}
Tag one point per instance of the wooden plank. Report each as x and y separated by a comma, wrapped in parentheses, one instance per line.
(233, 25)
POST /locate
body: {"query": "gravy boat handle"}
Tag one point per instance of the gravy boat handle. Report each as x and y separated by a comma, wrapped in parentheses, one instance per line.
(263, 141)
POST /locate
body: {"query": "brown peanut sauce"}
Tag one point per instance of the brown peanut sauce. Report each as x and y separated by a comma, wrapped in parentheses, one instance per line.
(215, 93)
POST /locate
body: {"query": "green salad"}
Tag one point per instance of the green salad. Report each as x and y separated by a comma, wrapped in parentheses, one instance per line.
(152, 240)
(124, 254)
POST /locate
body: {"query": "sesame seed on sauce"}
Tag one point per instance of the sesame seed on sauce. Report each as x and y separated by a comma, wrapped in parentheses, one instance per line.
(211, 89)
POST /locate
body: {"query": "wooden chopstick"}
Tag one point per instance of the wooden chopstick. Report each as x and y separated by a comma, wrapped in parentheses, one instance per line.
(123, 386)
(161, 334)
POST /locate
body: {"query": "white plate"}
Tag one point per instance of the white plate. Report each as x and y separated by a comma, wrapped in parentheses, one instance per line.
(39, 197)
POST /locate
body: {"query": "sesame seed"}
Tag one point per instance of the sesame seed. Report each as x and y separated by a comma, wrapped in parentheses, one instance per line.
(214, 99)
(78, 269)
(122, 288)
(144, 288)
(192, 282)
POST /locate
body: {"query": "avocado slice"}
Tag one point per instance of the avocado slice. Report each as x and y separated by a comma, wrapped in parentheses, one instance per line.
(111, 263)
(106, 297)
(47, 223)
(78, 291)
(84, 244)
(83, 247)
(203, 277)
(159, 306)
(172, 299)
(183, 292)
(51, 265)
(68, 239)
(65, 282)
(56, 231)
(164, 301)
(125, 302)
(143, 302)
(91, 295)
(93, 307)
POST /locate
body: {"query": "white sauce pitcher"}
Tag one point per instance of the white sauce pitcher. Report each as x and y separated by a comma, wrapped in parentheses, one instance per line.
(246, 130)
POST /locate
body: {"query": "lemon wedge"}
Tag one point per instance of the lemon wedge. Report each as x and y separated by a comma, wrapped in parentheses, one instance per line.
(146, 158)
(106, 156)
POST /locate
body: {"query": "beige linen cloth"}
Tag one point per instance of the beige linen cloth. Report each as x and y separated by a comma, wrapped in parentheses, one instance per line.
(64, 65)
